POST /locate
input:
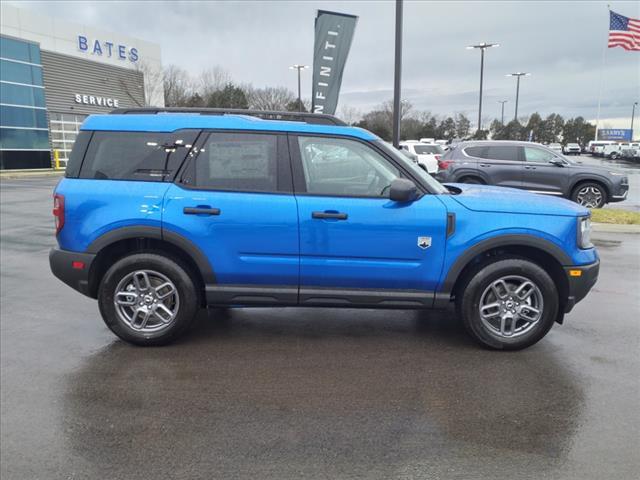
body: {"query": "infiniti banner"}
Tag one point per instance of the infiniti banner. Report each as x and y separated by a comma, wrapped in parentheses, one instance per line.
(334, 32)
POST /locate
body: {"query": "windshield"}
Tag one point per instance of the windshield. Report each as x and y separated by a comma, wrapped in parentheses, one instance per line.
(434, 185)
(428, 149)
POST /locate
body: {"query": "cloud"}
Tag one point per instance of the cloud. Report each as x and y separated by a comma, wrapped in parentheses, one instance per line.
(560, 43)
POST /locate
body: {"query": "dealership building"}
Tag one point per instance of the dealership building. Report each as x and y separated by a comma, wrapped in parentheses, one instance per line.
(54, 73)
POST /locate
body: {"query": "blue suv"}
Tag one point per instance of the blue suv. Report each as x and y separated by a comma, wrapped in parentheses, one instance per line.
(164, 211)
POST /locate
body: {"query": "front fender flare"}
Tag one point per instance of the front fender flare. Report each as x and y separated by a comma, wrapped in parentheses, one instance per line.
(501, 241)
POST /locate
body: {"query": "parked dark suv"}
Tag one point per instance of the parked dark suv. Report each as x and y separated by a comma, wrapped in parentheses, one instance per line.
(533, 167)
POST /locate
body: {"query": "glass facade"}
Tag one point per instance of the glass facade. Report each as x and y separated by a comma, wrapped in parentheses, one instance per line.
(24, 136)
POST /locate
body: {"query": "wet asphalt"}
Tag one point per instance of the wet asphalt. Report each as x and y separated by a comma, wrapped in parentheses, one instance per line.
(308, 393)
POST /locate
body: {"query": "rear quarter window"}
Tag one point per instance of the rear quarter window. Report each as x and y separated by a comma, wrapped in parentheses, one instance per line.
(478, 152)
(148, 156)
(77, 154)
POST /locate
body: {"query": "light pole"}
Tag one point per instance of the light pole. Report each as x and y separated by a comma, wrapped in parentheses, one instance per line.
(633, 114)
(482, 46)
(502, 102)
(299, 68)
(397, 75)
(517, 75)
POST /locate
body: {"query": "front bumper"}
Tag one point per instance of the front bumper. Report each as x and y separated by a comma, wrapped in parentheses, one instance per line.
(72, 268)
(580, 285)
(621, 193)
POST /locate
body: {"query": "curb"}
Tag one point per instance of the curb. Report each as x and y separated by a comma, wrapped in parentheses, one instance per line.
(34, 172)
(615, 228)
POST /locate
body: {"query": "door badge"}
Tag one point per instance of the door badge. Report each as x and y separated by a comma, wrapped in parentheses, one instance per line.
(424, 242)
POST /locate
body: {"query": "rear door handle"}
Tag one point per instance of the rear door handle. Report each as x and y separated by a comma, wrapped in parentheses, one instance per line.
(529, 168)
(201, 211)
(329, 215)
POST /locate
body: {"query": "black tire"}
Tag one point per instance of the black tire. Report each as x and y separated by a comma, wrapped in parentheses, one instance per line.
(186, 303)
(580, 188)
(479, 280)
(472, 180)
(614, 156)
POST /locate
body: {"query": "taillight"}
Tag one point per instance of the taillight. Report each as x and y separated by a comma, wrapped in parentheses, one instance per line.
(437, 157)
(444, 164)
(58, 211)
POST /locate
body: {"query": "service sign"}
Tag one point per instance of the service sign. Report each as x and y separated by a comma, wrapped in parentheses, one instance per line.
(620, 134)
(97, 100)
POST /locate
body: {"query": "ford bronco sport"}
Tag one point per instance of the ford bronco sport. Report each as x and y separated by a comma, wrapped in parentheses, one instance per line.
(164, 211)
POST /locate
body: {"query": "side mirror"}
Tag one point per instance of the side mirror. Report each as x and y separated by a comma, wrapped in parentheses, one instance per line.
(403, 190)
(557, 162)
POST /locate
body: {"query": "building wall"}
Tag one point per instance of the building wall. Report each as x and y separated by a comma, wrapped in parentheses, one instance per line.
(75, 85)
(76, 88)
(24, 136)
(87, 43)
(63, 72)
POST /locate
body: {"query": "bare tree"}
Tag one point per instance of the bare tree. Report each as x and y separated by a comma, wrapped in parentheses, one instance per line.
(269, 98)
(349, 114)
(406, 109)
(212, 80)
(153, 83)
(178, 87)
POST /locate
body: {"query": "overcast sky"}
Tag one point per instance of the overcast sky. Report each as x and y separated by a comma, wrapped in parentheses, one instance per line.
(560, 43)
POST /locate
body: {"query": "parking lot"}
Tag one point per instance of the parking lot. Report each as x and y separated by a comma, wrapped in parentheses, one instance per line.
(309, 393)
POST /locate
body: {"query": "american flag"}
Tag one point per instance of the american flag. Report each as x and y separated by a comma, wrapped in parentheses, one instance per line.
(624, 32)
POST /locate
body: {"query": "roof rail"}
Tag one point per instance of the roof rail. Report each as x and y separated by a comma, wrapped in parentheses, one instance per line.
(313, 118)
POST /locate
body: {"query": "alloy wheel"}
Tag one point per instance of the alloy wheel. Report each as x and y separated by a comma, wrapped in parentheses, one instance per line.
(589, 196)
(511, 306)
(146, 301)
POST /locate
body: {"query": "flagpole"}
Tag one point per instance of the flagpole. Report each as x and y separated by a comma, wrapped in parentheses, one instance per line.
(604, 59)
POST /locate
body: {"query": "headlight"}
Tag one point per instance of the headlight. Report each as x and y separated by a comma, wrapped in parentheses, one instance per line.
(584, 232)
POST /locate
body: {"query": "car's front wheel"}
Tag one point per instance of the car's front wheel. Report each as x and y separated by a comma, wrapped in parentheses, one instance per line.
(508, 304)
(589, 195)
(148, 299)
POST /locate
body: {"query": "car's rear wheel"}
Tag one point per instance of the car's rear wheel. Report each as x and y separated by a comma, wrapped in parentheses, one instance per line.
(147, 299)
(589, 195)
(508, 304)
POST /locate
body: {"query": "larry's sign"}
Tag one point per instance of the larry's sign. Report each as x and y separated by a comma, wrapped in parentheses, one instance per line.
(621, 134)
(334, 32)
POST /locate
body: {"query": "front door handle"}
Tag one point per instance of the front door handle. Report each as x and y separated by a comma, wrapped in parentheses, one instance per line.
(485, 164)
(201, 211)
(529, 168)
(329, 215)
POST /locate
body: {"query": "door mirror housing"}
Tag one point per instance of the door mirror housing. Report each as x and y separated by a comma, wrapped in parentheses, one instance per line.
(557, 162)
(403, 190)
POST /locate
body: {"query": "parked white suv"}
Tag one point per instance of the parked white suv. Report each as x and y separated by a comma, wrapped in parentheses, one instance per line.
(428, 154)
(572, 149)
(556, 147)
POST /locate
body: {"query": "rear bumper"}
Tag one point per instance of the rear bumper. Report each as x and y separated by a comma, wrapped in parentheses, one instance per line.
(579, 286)
(65, 266)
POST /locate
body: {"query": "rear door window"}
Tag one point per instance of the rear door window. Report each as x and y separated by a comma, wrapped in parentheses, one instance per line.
(238, 162)
(503, 152)
(149, 156)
